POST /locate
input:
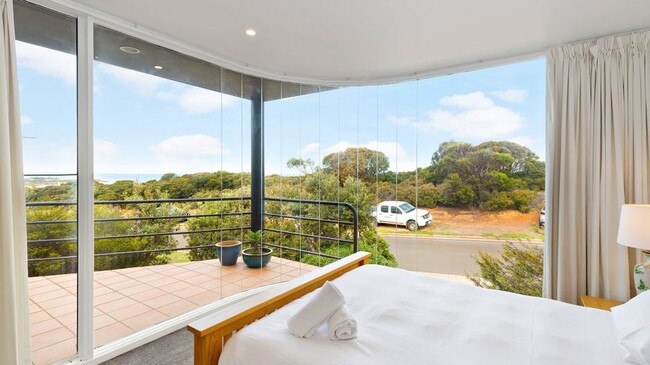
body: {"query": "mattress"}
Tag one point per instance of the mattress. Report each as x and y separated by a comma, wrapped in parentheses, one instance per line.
(407, 318)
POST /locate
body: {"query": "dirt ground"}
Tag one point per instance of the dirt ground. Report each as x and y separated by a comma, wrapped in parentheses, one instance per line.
(473, 223)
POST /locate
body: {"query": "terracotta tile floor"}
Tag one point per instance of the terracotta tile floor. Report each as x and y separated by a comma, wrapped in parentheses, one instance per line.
(129, 300)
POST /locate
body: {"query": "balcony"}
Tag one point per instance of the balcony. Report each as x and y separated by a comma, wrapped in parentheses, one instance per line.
(133, 291)
(132, 299)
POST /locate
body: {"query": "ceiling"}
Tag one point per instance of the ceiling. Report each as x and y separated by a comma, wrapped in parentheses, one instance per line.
(373, 41)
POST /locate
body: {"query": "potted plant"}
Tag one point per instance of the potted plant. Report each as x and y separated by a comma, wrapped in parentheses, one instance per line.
(257, 255)
(228, 252)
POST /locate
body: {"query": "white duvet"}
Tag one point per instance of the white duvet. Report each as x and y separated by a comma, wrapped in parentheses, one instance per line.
(406, 318)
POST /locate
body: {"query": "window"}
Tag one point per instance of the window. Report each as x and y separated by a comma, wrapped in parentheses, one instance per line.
(173, 151)
(172, 167)
(466, 150)
(46, 50)
(406, 207)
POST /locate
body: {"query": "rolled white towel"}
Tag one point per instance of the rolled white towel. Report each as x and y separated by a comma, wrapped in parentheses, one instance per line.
(341, 325)
(314, 313)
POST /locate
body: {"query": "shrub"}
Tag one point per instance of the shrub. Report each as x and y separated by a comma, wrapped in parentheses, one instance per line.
(369, 241)
(519, 270)
(522, 198)
(498, 201)
(456, 192)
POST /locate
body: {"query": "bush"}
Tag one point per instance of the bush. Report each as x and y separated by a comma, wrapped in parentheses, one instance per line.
(519, 270)
(522, 198)
(455, 192)
(498, 201)
(369, 241)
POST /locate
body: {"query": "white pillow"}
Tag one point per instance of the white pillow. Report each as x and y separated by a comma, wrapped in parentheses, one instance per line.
(632, 321)
(637, 346)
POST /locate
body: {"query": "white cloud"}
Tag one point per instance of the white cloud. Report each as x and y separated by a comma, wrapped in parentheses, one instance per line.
(511, 95)
(470, 116)
(25, 120)
(189, 98)
(490, 123)
(48, 62)
(190, 153)
(197, 100)
(475, 100)
(310, 150)
(140, 82)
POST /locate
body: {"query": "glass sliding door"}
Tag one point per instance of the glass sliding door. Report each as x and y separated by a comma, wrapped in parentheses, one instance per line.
(172, 178)
(46, 43)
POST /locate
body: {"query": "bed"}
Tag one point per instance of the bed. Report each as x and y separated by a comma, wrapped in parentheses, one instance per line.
(407, 318)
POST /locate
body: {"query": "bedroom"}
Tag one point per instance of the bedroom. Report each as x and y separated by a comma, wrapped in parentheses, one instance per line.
(185, 154)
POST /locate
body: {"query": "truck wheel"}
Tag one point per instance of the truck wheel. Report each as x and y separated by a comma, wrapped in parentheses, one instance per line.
(411, 225)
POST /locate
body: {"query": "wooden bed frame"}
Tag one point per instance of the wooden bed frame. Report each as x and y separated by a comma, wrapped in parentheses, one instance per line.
(212, 331)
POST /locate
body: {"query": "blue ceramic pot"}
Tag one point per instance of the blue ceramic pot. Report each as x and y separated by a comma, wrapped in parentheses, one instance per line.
(228, 251)
(256, 261)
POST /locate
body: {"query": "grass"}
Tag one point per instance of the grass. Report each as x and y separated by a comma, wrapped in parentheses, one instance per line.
(419, 232)
(178, 256)
(499, 236)
(512, 236)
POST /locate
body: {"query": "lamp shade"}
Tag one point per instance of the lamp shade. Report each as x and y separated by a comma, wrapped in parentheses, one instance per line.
(634, 226)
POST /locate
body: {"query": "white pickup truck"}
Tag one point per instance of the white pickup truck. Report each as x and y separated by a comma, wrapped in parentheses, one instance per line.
(401, 213)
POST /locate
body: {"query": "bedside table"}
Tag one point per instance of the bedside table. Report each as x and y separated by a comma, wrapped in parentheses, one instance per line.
(600, 303)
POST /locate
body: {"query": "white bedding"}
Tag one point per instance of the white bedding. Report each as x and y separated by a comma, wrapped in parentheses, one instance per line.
(406, 318)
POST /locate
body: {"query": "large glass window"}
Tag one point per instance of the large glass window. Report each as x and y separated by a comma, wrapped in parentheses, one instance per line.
(173, 178)
(446, 173)
(46, 44)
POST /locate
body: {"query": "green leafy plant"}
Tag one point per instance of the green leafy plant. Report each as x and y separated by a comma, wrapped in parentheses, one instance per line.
(256, 241)
(518, 270)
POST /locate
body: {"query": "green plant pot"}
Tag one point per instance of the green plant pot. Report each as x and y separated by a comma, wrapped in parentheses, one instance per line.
(255, 261)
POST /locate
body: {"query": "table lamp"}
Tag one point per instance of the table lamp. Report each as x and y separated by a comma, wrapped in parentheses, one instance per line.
(634, 231)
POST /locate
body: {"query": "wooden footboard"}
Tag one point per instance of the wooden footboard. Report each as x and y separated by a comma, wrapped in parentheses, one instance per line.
(212, 331)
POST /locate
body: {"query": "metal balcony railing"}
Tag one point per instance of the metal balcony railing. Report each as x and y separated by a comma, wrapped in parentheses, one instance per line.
(71, 260)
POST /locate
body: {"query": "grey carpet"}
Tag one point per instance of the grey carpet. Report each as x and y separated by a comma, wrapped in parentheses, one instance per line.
(174, 349)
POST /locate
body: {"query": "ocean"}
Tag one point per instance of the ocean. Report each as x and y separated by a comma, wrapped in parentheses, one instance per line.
(111, 178)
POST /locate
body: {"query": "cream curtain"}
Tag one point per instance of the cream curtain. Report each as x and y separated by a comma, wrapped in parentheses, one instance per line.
(14, 303)
(598, 153)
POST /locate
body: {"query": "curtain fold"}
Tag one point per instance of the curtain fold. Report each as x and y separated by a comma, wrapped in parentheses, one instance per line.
(15, 345)
(598, 148)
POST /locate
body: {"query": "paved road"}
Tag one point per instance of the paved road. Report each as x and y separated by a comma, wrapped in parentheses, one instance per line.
(440, 255)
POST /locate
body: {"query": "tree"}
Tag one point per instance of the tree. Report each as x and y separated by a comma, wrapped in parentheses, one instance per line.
(493, 171)
(50, 231)
(446, 159)
(304, 166)
(364, 163)
(519, 270)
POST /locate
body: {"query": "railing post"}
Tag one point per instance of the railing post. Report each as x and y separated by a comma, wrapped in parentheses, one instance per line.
(257, 156)
(355, 218)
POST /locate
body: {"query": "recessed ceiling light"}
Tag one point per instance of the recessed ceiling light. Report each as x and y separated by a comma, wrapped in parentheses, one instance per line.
(158, 67)
(129, 49)
(250, 32)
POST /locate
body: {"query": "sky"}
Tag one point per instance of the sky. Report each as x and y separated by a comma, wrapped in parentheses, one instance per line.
(149, 125)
